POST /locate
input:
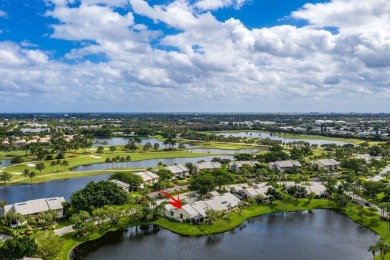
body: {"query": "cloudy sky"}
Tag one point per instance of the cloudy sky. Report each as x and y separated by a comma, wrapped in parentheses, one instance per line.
(195, 56)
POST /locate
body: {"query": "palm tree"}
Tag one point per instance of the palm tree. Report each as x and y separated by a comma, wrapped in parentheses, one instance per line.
(65, 163)
(128, 159)
(108, 160)
(52, 164)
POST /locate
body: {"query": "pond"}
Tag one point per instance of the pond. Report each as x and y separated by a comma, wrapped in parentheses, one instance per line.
(301, 235)
(265, 135)
(144, 163)
(58, 188)
(225, 151)
(125, 140)
(5, 163)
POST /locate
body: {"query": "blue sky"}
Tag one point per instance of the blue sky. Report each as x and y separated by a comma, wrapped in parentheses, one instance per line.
(194, 55)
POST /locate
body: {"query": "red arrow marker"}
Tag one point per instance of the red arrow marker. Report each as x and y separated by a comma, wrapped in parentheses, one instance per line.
(174, 202)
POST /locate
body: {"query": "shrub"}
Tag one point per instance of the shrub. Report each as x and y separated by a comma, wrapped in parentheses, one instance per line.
(60, 156)
(49, 157)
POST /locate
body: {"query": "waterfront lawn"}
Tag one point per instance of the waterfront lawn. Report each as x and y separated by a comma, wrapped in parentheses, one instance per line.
(235, 218)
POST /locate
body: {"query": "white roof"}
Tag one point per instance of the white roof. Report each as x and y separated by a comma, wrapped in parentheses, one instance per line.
(208, 165)
(288, 163)
(121, 184)
(241, 163)
(147, 175)
(35, 206)
(327, 162)
(177, 168)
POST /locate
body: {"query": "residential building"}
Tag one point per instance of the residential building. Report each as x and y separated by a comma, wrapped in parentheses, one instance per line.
(327, 164)
(178, 170)
(237, 165)
(196, 212)
(206, 166)
(125, 186)
(34, 207)
(148, 177)
(285, 166)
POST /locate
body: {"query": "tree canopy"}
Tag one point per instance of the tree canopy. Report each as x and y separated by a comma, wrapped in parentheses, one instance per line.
(96, 195)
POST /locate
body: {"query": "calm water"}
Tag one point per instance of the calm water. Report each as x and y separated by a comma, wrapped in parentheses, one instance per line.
(284, 140)
(144, 163)
(125, 140)
(58, 188)
(224, 151)
(5, 163)
(301, 235)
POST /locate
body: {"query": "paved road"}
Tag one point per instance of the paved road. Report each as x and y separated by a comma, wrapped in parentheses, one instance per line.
(64, 231)
(380, 175)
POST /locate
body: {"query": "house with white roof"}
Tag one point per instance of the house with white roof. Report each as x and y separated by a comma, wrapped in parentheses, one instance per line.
(237, 165)
(285, 166)
(206, 166)
(34, 207)
(178, 170)
(196, 212)
(327, 164)
(148, 177)
(125, 186)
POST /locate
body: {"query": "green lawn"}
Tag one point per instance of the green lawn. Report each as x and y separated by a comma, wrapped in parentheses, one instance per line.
(51, 173)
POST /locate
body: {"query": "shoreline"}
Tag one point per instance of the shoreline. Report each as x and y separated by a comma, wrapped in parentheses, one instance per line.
(248, 213)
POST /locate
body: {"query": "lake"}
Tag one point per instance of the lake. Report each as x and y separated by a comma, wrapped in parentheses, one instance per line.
(5, 163)
(58, 188)
(144, 163)
(125, 140)
(264, 135)
(225, 151)
(301, 235)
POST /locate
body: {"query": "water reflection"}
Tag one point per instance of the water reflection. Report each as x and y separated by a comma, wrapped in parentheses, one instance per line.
(301, 235)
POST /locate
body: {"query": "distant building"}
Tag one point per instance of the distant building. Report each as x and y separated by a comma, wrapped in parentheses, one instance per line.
(206, 166)
(125, 186)
(178, 170)
(196, 212)
(285, 166)
(237, 165)
(328, 164)
(148, 177)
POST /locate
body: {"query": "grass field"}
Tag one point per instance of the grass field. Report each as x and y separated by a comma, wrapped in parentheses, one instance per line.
(83, 159)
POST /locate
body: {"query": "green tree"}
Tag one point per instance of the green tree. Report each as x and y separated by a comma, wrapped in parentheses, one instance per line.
(65, 164)
(311, 196)
(100, 214)
(373, 249)
(156, 146)
(49, 245)
(221, 177)
(39, 167)
(52, 164)
(203, 183)
(112, 148)
(165, 174)
(100, 150)
(212, 215)
(18, 247)
(96, 195)
(5, 176)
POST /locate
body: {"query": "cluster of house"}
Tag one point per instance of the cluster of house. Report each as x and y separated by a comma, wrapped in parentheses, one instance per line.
(295, 166)
(18, 142)
(34, 207)
(262, 188)
(367, 158)
(195, 212)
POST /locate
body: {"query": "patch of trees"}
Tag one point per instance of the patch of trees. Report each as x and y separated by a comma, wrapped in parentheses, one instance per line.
(96, 195)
